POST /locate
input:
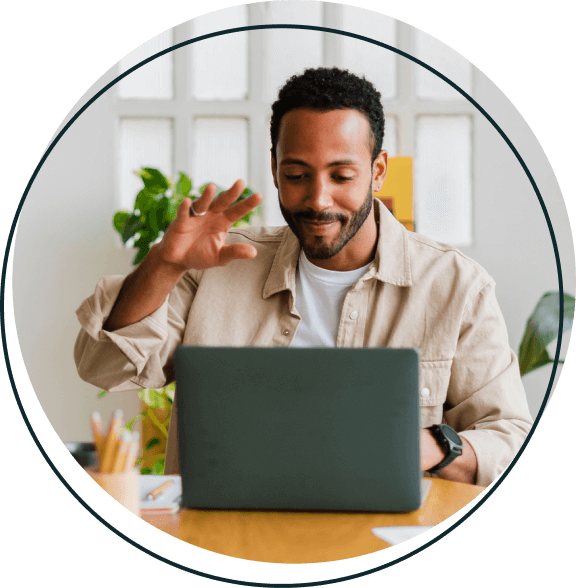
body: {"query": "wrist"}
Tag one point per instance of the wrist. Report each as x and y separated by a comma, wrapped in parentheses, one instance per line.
(163, 269)
(449, 443)
(431, 452)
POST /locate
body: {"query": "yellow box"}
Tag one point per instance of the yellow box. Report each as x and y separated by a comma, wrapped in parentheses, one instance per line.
(397, 190)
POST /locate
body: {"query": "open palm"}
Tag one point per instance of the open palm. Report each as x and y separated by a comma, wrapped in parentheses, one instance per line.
(198, 242)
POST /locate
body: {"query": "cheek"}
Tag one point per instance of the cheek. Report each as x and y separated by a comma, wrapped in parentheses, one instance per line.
(352, 197)
(289, 195)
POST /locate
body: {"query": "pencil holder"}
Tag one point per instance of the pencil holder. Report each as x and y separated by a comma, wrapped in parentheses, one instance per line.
(122, 486)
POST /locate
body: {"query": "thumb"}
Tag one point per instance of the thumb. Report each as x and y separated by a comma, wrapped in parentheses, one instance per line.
(237, 251)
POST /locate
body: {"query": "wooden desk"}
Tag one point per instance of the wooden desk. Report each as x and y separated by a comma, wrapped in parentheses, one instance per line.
(305, 537)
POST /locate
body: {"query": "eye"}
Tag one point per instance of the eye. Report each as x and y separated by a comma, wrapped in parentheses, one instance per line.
(294, 177)
(344, 178)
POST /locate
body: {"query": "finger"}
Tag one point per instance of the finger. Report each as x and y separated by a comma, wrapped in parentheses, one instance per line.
(237, 251)
(228, 197)
(243, 207)
(202, 203)
(183, 211)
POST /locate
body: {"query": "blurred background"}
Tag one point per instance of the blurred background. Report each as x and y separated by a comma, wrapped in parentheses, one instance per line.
(204, 109)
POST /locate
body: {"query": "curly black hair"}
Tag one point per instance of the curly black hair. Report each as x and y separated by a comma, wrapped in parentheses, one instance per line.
(330, 89)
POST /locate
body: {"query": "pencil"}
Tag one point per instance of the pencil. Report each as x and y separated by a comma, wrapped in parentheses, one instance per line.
(97, 431)
(132, 454)
(123, 446)
(157, 491)
(111, 443)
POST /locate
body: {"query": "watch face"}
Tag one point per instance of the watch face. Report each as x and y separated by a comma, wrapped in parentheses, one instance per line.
(451, 434)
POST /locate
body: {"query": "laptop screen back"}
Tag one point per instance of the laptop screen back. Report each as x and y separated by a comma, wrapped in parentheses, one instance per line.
(298, 429)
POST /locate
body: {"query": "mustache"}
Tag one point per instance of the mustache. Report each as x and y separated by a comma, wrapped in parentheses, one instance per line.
(320, 217)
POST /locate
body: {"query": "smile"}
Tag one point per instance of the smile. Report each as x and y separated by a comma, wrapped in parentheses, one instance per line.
(318, 226)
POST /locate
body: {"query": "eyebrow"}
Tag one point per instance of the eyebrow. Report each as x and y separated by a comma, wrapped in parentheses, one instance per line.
(339, 162)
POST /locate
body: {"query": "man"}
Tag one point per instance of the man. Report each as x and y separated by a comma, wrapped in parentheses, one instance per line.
(343, 273)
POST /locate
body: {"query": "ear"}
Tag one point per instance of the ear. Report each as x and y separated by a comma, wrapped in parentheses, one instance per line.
(379, 169)
(273, 167)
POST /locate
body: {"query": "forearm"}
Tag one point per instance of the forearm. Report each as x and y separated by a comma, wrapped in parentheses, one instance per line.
(143, 291)
(195, 239)
(462, 469)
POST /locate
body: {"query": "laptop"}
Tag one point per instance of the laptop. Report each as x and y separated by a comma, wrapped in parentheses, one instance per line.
(305, 429)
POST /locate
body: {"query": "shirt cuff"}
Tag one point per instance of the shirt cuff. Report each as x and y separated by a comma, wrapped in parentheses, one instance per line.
(495, 447)
(137, 341)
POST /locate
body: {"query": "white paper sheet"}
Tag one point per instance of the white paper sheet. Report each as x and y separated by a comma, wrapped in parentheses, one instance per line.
(167, 498)
(395, 535)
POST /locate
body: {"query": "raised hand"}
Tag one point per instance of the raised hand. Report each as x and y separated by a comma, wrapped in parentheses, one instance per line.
(198, 242)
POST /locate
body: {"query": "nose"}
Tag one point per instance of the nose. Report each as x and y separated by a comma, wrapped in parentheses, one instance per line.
(318, 195)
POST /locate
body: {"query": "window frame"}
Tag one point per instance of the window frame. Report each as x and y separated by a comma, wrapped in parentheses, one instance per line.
(405, 107)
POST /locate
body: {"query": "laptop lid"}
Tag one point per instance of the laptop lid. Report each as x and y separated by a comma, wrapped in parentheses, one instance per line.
(299, 429)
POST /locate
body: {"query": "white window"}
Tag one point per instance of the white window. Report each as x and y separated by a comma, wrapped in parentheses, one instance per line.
(204, 109)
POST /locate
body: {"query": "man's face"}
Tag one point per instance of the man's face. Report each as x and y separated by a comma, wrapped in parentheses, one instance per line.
(324, 177)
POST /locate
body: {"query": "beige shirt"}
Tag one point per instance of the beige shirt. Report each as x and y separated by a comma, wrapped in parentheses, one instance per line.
(417, 293)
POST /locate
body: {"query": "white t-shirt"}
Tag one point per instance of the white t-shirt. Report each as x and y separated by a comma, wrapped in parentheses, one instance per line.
(320, 295)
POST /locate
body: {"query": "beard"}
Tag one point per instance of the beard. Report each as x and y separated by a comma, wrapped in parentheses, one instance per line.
(319, 248)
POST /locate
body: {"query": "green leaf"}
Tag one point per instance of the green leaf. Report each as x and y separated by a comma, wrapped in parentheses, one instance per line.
(171, 210)
(160, 214)
(146, 236)
(153, 398)
(154, 441)
(132, 226)
(539, 360)
(542, 328)
(120, 219)
(102, 393)
(145, 201)
(145, 471)
(159, 467)
(153, 180)
(152, 216)
(142, 253)
(183, 185)
(130, 424)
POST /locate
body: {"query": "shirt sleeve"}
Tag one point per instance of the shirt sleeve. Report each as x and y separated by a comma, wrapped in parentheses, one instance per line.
(135, 356)
(486, 401)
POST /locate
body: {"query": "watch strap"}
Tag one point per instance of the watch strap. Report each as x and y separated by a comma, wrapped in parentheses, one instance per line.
(452, 450)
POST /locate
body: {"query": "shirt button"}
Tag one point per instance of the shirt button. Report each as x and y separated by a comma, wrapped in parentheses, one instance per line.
(425, 392)
(286, 332)
(353, 315)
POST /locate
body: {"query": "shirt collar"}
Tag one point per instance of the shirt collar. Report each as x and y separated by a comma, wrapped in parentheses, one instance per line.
(391, 263)
(392, 259)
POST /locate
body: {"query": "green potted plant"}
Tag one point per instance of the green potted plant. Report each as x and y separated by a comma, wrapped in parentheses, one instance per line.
(542, 329)
(155, 208)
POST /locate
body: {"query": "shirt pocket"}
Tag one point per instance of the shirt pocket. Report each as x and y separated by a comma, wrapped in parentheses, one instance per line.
(434, 380)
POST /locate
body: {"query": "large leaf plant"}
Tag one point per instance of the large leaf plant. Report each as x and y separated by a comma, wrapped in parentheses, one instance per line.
(542, 328)
(155, 208)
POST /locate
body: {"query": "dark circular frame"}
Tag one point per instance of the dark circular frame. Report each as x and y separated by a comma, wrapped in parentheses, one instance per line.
(339, 571)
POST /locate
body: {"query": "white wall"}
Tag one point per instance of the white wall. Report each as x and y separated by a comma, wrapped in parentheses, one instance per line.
(511, 237)
(65, 243)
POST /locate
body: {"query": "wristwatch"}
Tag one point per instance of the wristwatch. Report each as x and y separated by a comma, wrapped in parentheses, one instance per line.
(449, 441)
